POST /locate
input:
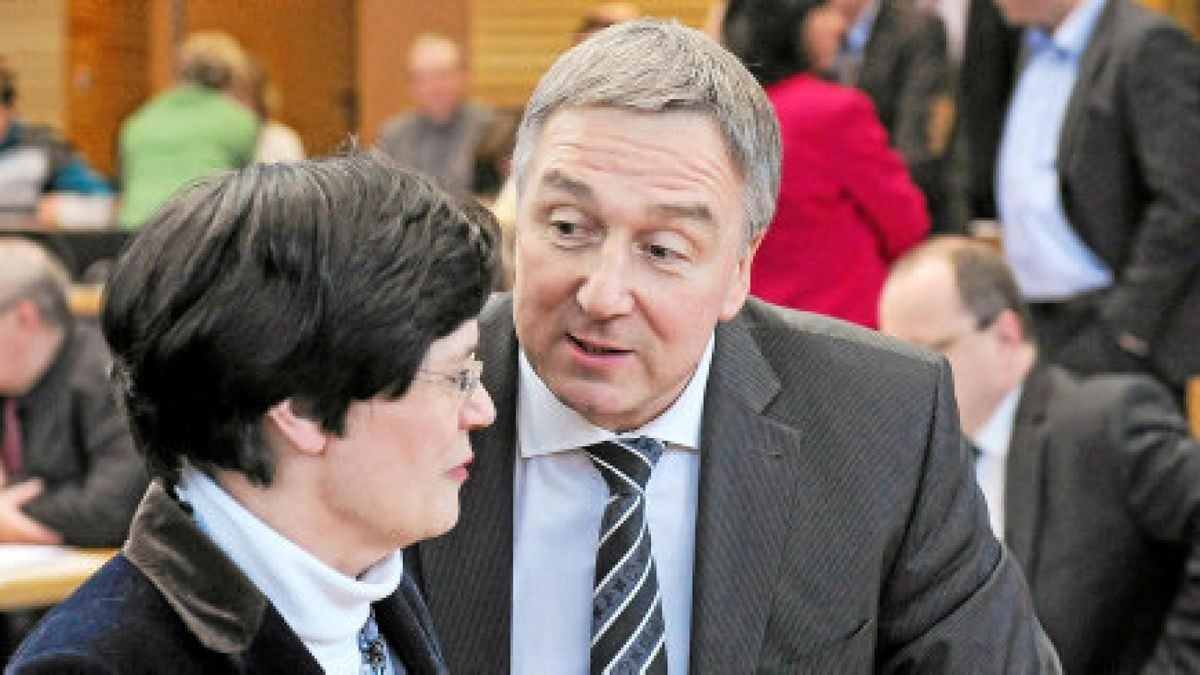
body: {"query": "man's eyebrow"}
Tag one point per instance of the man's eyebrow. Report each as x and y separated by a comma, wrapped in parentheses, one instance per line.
(559, 180)
(696, 212)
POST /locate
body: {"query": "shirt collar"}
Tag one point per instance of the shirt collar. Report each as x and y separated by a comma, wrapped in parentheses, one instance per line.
(1072, 35)
(545, 425)
(324, 607)
(993, 438)
(860, 32)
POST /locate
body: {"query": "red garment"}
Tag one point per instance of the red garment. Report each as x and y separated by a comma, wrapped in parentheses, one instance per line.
(847, 207)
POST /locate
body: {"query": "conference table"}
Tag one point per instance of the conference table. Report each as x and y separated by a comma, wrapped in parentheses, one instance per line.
(41, 576)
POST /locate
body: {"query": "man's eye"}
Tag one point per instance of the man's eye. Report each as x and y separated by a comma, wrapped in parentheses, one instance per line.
(659, 252)
(564, 229)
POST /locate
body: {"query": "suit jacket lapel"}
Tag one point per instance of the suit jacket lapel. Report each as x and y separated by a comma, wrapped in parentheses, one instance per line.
(1090, 65)
(1023, 482)
(470, 597)
(743, 498)
(404, 622)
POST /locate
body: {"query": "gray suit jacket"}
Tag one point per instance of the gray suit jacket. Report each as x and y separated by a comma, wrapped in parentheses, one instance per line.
(1102, 510)
(1129, 162)
(839, 528)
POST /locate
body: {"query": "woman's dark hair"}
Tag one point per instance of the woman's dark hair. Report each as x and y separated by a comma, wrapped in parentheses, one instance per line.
(767, 36)
(323, 281)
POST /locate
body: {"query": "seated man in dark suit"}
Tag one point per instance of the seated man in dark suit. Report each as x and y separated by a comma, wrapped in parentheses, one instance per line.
(681, 477)
(1093, 482)
(71, 472)
(295, 344)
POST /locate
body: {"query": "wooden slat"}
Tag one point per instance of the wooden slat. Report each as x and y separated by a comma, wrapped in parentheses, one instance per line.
(50, 581)
(514, 41)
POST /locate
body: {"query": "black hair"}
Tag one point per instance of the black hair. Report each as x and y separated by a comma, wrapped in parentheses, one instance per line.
(322, 281)
(767, 36)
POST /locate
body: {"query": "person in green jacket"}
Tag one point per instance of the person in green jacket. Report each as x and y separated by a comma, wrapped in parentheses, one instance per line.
(201, 126)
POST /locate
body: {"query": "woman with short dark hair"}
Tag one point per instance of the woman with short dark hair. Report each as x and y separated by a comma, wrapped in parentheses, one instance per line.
(295, 345)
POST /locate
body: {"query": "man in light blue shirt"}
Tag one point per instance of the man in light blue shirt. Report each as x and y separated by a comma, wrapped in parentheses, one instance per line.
(1096, 186)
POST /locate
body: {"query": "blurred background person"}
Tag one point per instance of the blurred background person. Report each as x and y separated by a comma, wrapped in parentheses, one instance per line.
(202, 125)
(1092, 482)
(439, 137)
(846, 207)
(897, 54)
(1098, 186)
(277, 142)
(70, 471)
(297, 446)
(41, 175)
(822, 35)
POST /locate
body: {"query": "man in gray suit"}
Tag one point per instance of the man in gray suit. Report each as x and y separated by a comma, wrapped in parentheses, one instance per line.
(1097, 186)
(1093, 482)
(808, 504)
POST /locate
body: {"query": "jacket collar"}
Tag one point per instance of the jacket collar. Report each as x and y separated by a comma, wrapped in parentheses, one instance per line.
(167, 546)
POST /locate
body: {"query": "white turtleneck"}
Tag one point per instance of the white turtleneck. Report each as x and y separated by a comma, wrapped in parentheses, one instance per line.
(324, 607)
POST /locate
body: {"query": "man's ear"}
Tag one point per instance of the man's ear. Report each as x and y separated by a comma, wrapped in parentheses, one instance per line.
(1008, 327)
(298, 429)
(739, 285)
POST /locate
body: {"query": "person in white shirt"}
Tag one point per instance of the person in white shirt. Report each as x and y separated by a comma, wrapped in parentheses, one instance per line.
(1091, 481)
(295, 348)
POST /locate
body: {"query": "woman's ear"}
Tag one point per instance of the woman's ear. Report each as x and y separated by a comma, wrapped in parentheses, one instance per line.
(298, 429)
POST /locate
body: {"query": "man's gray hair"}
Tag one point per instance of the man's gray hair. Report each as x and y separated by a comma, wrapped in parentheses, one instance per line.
(653, 65)
(31, 272)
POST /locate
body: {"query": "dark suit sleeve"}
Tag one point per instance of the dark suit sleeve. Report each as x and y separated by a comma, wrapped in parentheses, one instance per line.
(97, 510)
(955, 601)
(1160, 108)
(1159, 464)
(925, 83)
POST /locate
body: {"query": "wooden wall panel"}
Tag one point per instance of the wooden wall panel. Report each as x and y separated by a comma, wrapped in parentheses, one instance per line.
(33, 44)
(514, 41)
(107, 73)
(1187, 12)
(307, 46)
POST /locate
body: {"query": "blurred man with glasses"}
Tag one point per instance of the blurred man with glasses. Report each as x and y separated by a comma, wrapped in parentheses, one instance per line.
(1093, 482)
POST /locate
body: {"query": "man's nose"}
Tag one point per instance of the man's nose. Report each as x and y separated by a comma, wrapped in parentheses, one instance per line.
(606, 288)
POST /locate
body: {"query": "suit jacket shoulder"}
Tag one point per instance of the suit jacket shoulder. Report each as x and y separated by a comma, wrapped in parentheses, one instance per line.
(1101, 509)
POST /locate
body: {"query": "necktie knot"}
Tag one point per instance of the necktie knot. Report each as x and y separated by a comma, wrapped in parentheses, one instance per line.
(626, 463)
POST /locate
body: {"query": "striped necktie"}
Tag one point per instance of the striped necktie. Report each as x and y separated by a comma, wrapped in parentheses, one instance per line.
(628, 633)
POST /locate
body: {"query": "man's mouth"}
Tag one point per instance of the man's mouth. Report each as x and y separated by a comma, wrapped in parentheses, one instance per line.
(595, 348)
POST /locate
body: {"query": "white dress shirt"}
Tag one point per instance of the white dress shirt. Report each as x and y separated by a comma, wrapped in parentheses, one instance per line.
(1049, 260)
(992, 440)
(559, 502)
(325, 608)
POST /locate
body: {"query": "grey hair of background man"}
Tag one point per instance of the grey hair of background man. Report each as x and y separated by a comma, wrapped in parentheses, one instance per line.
(31, 272)
(651, 65)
